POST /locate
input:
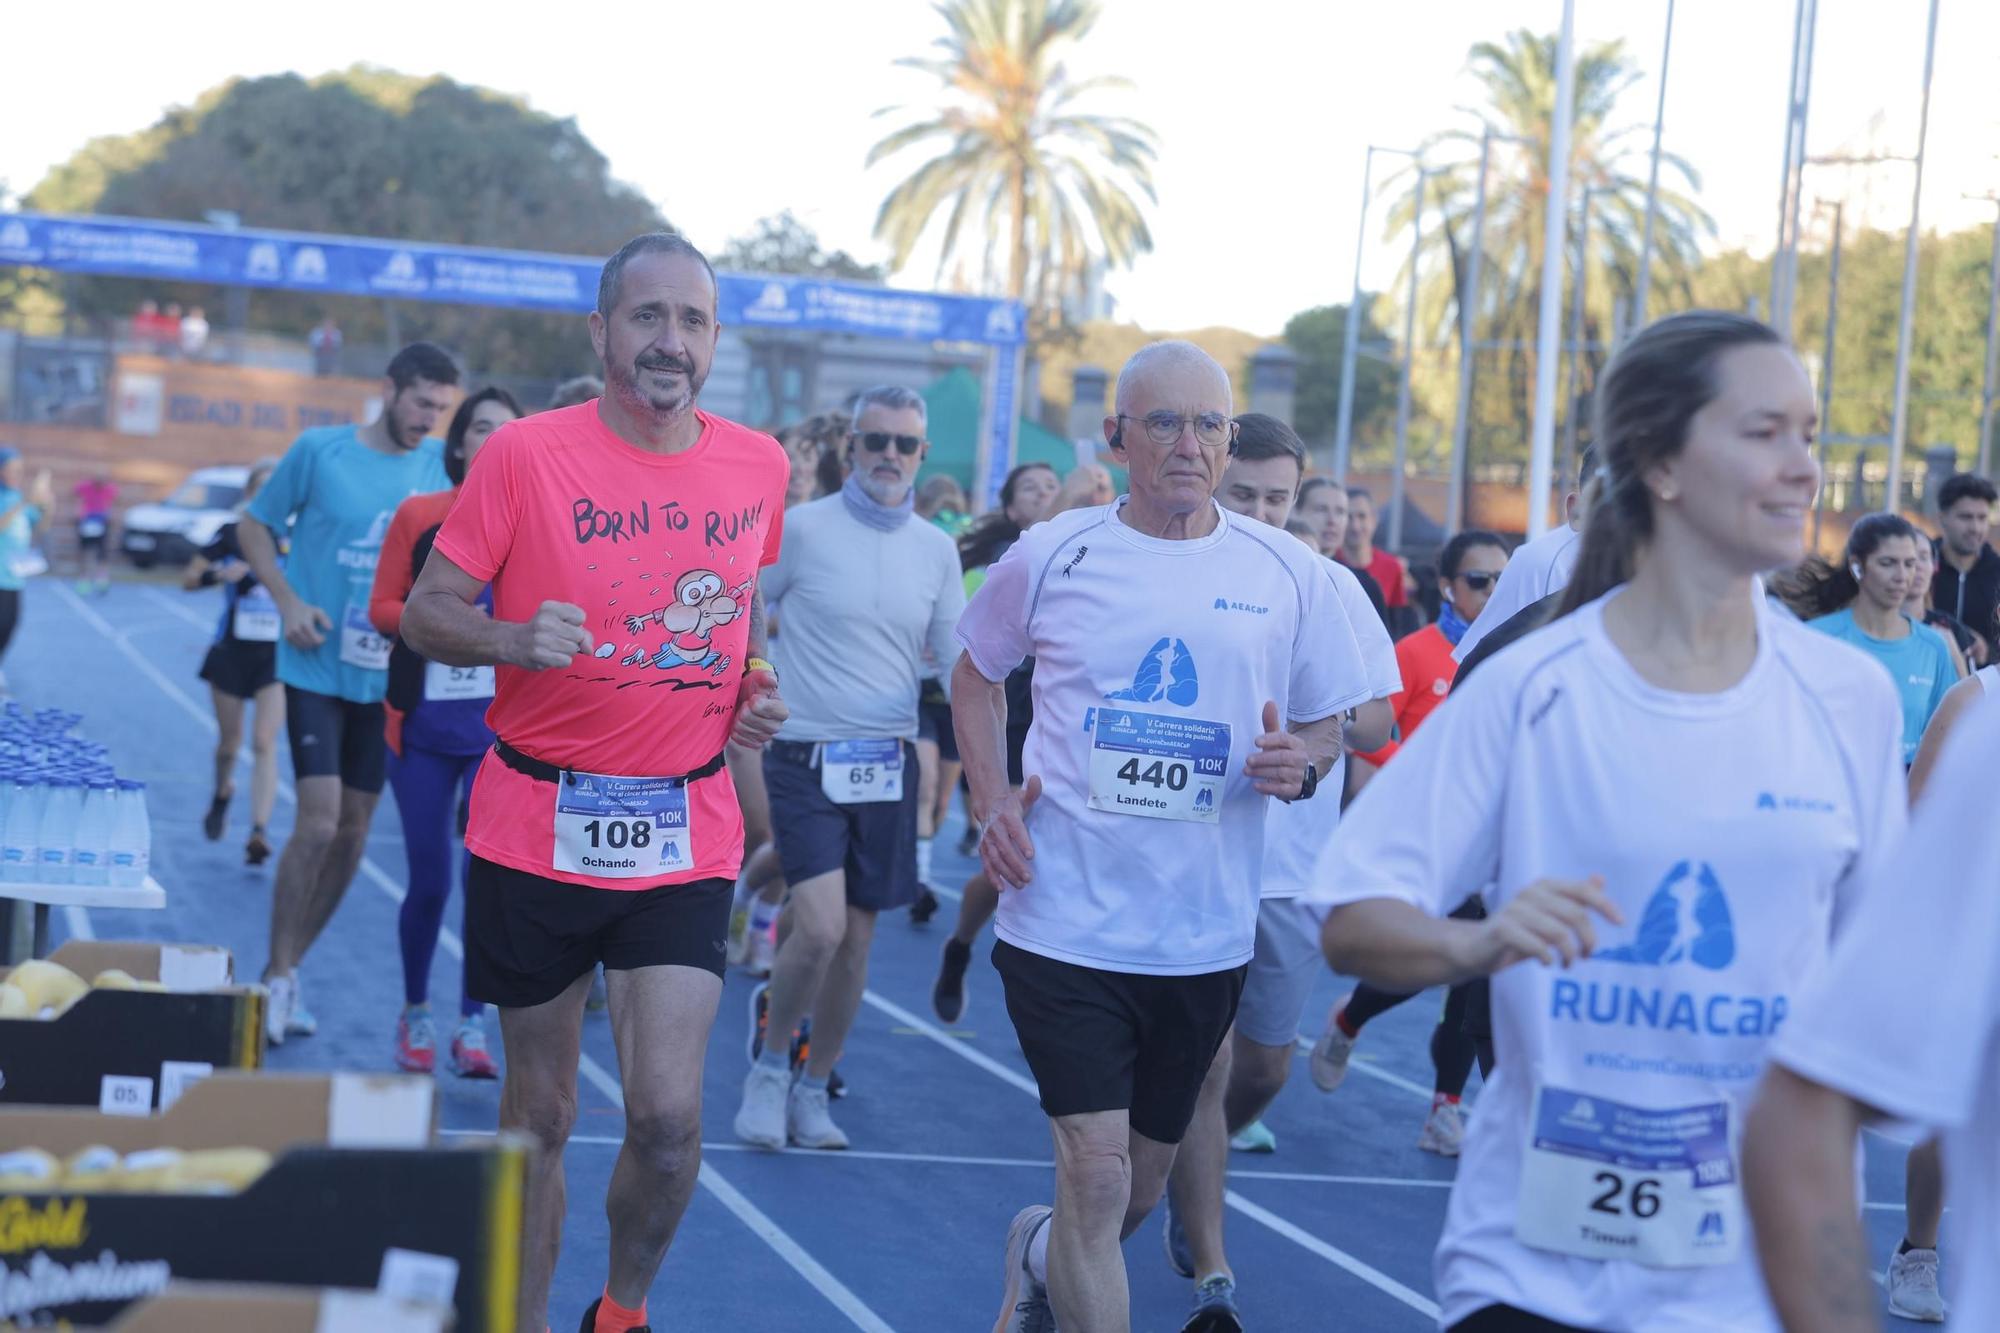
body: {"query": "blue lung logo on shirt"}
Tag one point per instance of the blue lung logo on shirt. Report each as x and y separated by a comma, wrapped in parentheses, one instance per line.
(1164, 675)
(1686, 920)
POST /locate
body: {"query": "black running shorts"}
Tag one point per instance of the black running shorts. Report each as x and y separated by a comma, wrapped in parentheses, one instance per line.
(527, 939)
(1507, 1319)
(1118, 1041)
(874, 842)
(336, 738)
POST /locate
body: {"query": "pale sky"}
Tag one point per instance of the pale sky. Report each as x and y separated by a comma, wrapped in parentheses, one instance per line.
(725, 112)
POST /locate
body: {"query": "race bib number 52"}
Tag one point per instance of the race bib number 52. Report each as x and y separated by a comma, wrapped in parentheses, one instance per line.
(1605, 1180)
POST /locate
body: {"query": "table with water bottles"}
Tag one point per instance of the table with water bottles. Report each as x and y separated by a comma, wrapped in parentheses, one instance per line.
(72, 832)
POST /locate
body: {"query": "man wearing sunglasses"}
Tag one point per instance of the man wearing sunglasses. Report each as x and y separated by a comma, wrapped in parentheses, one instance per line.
(1190, 664)
(864, 590)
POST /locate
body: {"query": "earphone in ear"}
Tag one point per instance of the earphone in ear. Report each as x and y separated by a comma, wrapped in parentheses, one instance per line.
(1854, 568)
(1118, 436)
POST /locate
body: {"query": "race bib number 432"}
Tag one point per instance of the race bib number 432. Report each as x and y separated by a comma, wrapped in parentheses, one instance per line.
(1158, 766)
(622, 828)
(1605, 1180)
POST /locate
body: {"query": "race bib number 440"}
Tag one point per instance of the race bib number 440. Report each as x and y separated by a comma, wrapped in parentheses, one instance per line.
(622, 828)
(1157, 766)
(1605, 1180)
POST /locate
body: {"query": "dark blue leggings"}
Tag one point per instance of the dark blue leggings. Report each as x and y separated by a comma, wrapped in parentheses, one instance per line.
(427, 787)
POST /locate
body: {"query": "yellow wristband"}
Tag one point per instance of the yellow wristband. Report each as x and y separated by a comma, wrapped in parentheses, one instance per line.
(758, 664)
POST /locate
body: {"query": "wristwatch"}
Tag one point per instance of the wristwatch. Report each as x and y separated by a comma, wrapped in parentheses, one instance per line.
(1311, 784)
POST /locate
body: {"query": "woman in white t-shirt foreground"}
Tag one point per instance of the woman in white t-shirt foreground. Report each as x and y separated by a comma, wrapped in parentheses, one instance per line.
(1671, 790)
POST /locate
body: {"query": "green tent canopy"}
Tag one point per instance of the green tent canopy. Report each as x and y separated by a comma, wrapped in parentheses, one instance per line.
(956, 418)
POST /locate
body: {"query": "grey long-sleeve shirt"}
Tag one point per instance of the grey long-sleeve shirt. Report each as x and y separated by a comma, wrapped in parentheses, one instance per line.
(856, 608)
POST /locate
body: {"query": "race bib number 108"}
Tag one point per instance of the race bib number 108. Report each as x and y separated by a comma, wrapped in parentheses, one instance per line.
(622, 828)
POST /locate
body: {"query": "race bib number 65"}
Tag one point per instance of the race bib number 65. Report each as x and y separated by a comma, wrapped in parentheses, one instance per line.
(1605, 1180)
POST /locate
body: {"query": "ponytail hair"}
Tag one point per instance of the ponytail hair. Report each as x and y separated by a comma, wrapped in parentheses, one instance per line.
(1649, 394)
(1819, 588)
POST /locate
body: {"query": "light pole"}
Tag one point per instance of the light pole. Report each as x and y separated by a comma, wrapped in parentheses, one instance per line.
(1578, 292)
(1653, 182)
(1468, 316)
(1784, 260)
(1899, 423)
(1397, 486)
(1548, 326)
(1344, 419)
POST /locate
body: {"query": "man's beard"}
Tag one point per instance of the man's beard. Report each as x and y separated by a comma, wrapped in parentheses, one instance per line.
(882, 490)
(629, 385)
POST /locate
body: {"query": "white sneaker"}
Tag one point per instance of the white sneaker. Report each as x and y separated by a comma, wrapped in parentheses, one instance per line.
(278, 995)
(1024, 1302)
(299, 1021)
(760, 953)
(761, 1119)
(1913, 1287)
(1444, 1130)
(807, 1119)
(1331, 1052)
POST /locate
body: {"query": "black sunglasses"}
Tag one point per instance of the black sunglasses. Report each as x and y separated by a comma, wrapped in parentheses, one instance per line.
(1479, 582)
(878, 441)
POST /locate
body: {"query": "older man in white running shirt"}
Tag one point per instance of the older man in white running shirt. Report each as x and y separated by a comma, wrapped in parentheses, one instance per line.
(1190, 664)
(864, 590)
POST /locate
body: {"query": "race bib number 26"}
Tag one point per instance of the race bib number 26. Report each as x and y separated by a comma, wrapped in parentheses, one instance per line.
(1605, 1180)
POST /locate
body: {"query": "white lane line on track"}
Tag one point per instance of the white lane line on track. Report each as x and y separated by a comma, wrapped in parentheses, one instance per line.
(727, 1194)
(1026, 1163)
(1381, 1281)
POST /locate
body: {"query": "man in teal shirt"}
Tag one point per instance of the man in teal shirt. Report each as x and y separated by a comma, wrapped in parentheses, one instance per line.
(20, 515)
(335, 492)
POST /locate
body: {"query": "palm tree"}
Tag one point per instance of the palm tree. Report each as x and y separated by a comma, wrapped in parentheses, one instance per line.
(1016, 162)
(1518, 75)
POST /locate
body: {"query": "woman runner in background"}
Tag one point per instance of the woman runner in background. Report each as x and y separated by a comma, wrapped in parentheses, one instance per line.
(437, 733)
(1640, 964)
(241, 669)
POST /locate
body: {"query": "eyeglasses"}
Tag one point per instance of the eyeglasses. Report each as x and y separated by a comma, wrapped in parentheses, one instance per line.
(1479, 582)
(878, 442)
(1211, 429)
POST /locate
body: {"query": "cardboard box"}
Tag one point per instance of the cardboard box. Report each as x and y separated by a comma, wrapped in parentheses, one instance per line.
(133, 1050)
(222, 1307)
(356, 1198)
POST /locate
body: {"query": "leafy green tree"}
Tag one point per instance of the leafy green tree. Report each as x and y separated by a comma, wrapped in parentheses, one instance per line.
(1018, 167)
(366, 152)
(783, 244)
(1317, 337)
(1517, 78)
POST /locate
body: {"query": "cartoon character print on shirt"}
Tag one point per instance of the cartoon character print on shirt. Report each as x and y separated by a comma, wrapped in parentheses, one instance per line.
(700, 607)
(667, 617)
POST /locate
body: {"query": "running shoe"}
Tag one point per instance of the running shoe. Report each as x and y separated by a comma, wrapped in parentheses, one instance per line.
(416, 1042)
(739, 935)
(968, 842)
(925, 907)
(217, 818)
(257, 850)
(948, 992)
(1215, 1307)
(1024, 1302)
(836, 1086)
(299, 1021)
(1444, 1130)
(1913, 1287)
(761, 1120)
(589, 1324)
(277, 1009)
(1173, 1238)
(599, 998)
(469, 1056)
(763, 951)
(760, 1022)
(1331, 1052)
(807, 1121)
(1255, 1138)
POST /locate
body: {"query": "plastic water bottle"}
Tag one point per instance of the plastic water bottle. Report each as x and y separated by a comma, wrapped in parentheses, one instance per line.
(131, 836)
(20, 840)
(93, 832)
(57, 841)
